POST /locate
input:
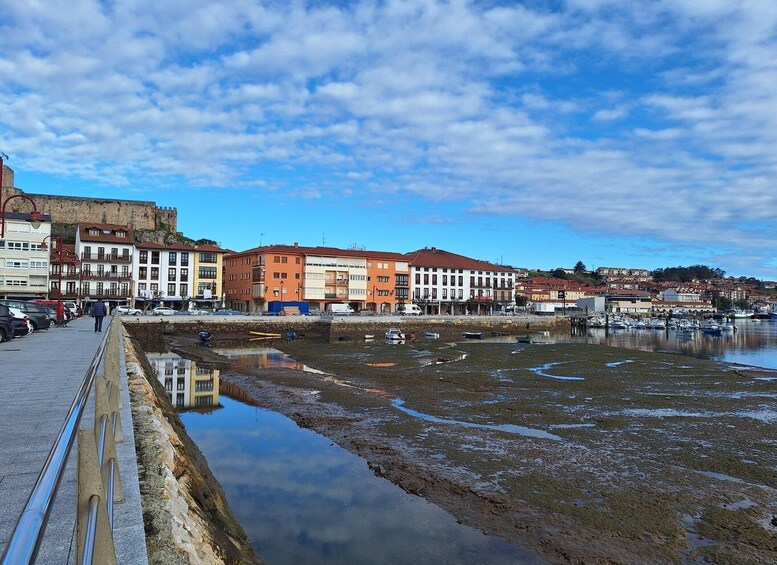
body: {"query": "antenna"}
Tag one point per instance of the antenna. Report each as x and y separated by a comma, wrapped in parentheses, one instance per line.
(261, 235)
(323, 240)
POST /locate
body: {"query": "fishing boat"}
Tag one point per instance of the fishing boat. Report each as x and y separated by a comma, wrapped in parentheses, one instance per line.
(432, 335)
(739, 313)
(524, 339)
(711, 328)
(473, 335)
(395, 334)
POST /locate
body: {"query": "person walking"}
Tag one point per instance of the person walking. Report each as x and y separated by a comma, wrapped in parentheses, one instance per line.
(98, 313)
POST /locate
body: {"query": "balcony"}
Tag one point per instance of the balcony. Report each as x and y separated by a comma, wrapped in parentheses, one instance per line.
(106, 258)
(116, 277)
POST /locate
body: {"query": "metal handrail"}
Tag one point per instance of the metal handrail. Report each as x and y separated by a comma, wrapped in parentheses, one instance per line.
(27, 536)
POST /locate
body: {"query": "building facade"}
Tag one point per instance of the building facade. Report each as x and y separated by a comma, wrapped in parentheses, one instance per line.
(24, 262)
(447, 283)
(106, 254)
(366, 280)
(208, 289)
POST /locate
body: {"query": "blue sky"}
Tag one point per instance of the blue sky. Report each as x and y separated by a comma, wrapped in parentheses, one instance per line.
(537, 134)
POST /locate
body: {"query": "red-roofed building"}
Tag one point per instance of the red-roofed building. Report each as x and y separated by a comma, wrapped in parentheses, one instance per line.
(446, 283)
(371, 280)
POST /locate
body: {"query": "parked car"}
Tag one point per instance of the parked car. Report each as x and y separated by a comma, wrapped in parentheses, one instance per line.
(72, 309)
(163, 311)
(128, 311)
(21, 323)
(38, 315)
(227, 313)
(6, 324)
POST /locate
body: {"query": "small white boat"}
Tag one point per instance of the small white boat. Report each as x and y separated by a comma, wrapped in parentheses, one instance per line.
(394, 334)
(711, 328)
(738, 313)
(432, 335)
(368, 337)
(639, 325)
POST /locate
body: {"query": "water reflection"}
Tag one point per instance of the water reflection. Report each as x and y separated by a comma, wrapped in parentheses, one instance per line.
(302, 499)
(261, 358)
(187, 384)
(754, 342)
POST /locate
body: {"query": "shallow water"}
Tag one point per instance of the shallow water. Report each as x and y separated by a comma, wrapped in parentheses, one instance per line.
(754, 342)
(303, 499)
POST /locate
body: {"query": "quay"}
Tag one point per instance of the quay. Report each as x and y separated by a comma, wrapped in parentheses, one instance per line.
(40, 375)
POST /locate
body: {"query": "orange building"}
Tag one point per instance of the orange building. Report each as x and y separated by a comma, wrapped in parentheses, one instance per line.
(372, 280)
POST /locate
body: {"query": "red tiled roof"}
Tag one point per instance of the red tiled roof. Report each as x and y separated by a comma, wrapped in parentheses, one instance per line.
(109, 237)
(433, 257)
(210, 247)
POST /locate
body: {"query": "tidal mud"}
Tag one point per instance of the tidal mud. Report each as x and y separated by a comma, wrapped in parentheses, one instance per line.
(632, 465)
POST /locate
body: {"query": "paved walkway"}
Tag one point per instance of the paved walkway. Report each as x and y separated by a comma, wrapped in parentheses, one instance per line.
(39, 377)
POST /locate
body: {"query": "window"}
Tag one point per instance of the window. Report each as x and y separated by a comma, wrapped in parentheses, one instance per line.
(172, 258)
(155, 257)
(99, 288)
(418, 278)
(87, 252)
(125, 289)
(153, 287)
(154, 273)
(184, 290)
(100, 252)
(284, 259)
(143, 257)
(143, 272)
(100, 270)
(125, 271)
(207, 272)
(184, 273)
(85, 289)
(209, 257)
(276, 275)
(276, 259)
(184, 259)
(114, 252)
(171, 289)
(171, 273)
(121, 233)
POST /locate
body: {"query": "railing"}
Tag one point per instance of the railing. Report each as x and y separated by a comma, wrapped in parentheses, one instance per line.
(99, 484)
(106, 257)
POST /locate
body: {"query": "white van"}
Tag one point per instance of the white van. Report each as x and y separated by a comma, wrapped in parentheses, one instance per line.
(409, 310)
(340, 309)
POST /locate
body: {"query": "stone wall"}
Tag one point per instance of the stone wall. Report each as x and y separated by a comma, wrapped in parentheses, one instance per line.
(331, 330)
(144, 215)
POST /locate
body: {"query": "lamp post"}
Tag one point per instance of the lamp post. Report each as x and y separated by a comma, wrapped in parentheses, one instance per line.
(36, 218)
(58, 240)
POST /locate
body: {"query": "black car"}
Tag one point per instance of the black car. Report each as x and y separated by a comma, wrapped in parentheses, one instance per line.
(38, 315)
(6, 324)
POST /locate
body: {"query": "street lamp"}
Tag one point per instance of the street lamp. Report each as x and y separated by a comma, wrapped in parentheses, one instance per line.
(43, 246)
(36, 218)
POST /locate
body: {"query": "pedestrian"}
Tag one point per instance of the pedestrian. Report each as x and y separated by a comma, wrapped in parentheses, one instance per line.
(98, 313)
(61, 319)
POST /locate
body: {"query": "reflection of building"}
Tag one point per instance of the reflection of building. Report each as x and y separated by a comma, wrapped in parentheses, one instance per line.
(187, 385)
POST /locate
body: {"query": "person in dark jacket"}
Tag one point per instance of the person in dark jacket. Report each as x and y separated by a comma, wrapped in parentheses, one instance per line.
(98, 313)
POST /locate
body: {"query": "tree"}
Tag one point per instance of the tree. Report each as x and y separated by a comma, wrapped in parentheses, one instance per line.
(580, 268)
(560, 274)
(205, 241)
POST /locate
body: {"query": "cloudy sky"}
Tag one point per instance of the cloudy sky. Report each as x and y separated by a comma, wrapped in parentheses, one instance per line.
(537, 133)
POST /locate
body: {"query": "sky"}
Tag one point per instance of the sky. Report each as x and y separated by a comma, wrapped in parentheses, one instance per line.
(534, 134)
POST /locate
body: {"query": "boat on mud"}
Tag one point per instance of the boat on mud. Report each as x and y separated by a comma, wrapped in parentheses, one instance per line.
(395, 334)
(432, 335)
(473, 335)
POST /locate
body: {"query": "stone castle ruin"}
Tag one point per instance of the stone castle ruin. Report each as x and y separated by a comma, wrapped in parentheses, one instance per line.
(142, 215)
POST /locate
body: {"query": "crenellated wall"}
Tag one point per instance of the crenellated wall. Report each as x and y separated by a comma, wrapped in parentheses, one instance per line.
(144, 215)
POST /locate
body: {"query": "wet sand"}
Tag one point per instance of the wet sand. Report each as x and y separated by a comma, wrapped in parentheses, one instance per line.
(581, 453)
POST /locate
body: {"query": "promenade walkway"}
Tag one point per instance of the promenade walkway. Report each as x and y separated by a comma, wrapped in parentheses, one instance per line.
(39, 377)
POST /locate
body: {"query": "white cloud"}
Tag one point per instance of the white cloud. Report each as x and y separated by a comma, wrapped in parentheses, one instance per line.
(616, 109)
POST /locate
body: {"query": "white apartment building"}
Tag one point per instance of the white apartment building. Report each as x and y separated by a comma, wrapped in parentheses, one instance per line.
(446, 283)
(164, 274)
(674, 295)
(105, 252)
(24, 263)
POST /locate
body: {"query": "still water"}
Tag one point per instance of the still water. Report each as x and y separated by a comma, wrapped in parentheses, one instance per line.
(754, 343)
(303, 499)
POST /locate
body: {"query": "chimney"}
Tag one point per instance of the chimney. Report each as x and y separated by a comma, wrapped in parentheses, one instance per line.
(296, 244)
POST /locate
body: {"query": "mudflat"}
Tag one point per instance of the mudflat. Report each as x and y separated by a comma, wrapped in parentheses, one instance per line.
(581, 453)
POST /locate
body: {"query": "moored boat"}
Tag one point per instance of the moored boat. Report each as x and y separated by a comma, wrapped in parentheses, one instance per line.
(394, 334)
(432, 335)
(473, 335)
